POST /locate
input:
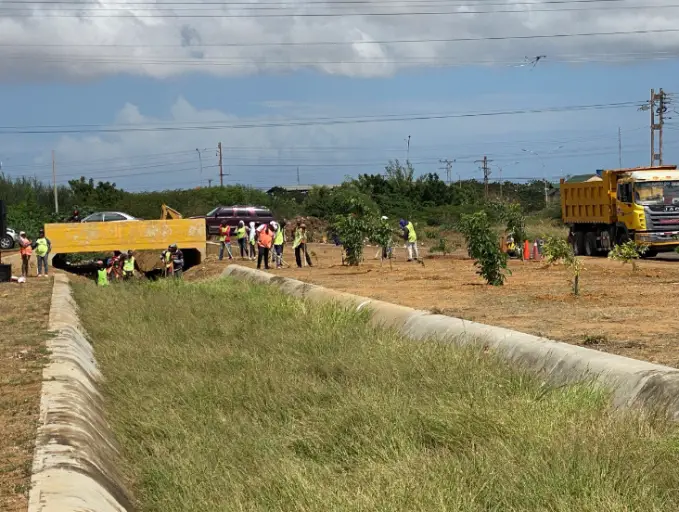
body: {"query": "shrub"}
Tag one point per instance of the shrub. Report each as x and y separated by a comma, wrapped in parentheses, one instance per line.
(381, 233)
(574, 264)
(483, 246)
(628, 252)
(556, 250)
(512, 215)
(354, 227)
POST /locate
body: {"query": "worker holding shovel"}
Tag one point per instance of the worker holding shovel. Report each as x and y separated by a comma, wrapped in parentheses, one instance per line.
(224, 240)
(299, 245)
(26, 250)
(278, 241)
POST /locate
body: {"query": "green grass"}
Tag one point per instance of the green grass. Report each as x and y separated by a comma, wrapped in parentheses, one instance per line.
(227, 396)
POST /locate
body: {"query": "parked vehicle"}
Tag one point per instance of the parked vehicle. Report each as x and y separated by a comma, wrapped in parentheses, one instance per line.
(232, 215)
(108, 217)
(9, 239)
(640, 204)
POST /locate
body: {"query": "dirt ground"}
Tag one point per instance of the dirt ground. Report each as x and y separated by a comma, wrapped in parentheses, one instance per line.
(24, 312)
(619, 311)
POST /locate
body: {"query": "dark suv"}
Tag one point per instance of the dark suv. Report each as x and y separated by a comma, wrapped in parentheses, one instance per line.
(233, 214)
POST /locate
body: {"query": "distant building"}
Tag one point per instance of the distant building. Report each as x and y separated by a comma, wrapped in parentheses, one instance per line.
(302, 189)
(580, 178)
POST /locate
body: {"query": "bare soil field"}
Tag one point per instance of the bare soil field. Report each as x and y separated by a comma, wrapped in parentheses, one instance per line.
(24, 311)
(620, 311)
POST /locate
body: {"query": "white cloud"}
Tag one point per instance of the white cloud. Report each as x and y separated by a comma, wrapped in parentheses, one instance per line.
(72, 47)
(265, 156)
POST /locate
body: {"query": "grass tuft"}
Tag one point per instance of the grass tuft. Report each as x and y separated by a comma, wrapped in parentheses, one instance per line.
(232, 396)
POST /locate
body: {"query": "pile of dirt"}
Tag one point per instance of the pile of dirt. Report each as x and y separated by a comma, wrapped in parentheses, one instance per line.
(317, 229)
(209, 268)
(147, 260)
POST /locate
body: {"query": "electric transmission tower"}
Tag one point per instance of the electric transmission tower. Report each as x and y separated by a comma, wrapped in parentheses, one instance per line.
(486, 174)
(448, 168)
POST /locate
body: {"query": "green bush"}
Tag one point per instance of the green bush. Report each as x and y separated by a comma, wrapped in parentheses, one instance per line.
(628, 252)
(483, 246)
(354, 227)
(556, 250)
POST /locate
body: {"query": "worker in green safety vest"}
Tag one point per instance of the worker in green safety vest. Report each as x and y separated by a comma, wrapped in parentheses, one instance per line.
(128, 266)
(42, 247)
(410, 237)
(278, 241)
(102, 274)
(242, 238)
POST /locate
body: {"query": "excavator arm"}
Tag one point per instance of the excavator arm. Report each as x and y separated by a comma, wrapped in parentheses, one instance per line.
(167, 213)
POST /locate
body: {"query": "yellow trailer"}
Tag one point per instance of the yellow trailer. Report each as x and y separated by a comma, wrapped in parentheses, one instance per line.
(616, 205)
(137, 235)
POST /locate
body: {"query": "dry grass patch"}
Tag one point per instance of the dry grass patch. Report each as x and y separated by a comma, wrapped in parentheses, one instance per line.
(230, 396)
(24, 312)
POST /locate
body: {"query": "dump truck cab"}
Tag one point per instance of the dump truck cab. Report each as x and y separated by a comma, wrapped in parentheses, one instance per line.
(640, 204)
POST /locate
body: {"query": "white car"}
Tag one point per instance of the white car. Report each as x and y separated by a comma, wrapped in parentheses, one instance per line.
(108, 217)
(9, 239)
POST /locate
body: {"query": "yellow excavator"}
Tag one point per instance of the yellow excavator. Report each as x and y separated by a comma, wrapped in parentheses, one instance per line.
(167, 213)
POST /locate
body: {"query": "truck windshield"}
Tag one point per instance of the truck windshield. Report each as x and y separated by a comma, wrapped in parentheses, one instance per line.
(656, 192)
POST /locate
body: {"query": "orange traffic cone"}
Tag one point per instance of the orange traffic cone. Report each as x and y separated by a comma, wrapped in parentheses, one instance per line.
(536, 253)
(526, 250)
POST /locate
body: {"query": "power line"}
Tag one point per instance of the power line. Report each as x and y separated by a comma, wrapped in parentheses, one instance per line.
(293, 151)
(83, 13)
(394, 41)
(61, 129)
(243, 62)
(324, 3)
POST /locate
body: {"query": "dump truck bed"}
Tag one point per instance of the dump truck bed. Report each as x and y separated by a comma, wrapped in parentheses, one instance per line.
(589, 202)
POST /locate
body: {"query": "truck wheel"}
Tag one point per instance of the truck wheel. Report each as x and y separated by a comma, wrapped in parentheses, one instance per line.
(578, 243)
(6, 242)
(649, 254)
(590, 244)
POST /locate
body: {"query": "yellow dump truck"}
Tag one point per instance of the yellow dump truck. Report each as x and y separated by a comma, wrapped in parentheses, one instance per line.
(617, 205)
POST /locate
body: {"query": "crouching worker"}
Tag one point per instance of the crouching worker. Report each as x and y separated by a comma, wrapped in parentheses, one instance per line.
(128, 266)
(173, 258)
(102, 274)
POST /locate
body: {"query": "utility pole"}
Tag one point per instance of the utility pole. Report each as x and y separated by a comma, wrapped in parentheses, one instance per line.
(407, 148)
(200, 161)
(619, 149)
(298, 174)
(658, 99)
(500, 169)
(209, 182)
(221, 169)
(54, 182)
(486, 174)
(449, 168)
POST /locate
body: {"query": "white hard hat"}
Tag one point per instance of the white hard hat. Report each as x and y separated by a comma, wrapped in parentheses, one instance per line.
(384, 217)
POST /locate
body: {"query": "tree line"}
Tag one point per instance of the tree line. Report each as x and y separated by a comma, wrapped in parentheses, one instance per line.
(396, 193)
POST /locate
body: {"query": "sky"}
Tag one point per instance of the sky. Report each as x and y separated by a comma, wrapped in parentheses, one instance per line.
(140, 93)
